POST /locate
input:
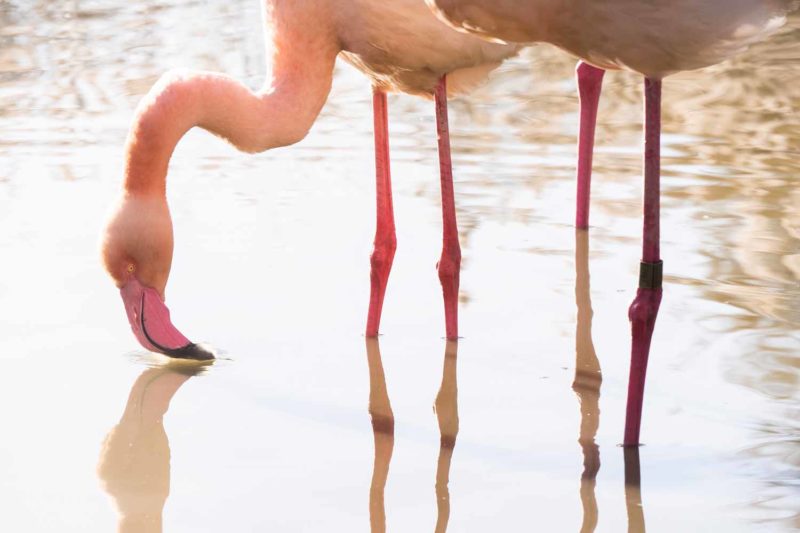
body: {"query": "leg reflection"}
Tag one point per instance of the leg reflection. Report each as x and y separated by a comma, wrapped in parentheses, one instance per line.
(380, 410)
(587, 382)
(633, 490)
(134, 459)
(446, 407)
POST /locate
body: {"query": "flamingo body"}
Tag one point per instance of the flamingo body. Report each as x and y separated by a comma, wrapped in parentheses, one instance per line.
(400, 45)
(402, 48)
(653, 38)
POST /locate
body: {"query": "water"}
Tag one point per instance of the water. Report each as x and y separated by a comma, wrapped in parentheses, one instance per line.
(271, 267)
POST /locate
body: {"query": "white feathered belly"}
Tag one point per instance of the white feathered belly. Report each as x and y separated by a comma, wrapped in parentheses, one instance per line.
(403, 47)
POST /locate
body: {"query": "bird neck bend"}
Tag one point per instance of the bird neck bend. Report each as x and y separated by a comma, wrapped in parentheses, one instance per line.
(279, 114)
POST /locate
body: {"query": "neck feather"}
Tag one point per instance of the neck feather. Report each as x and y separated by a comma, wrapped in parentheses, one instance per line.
(279, 114)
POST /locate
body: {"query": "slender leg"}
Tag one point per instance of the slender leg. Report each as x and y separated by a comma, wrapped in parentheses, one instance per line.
(449, 264)
(590, 82)
(385, 239)
(644, 309)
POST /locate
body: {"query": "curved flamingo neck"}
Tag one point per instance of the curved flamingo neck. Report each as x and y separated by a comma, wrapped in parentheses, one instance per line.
(279, 114)
(162, 118)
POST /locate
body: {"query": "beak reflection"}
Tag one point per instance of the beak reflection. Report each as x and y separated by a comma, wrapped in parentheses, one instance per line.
(134, 464)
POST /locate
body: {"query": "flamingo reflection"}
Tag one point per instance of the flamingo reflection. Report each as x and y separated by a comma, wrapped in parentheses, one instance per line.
(380, 410)
(633, 490)
(447, 415)
(586, 385)
(134, 464)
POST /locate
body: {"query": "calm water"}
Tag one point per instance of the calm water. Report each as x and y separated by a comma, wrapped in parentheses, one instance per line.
(271, 267)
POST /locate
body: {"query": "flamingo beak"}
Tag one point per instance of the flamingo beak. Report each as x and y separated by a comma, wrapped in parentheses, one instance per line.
(150, 322)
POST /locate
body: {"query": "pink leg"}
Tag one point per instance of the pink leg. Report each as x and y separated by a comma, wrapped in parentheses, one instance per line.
(590, 82)
(450, 261)
(385, 239)
(644, 309)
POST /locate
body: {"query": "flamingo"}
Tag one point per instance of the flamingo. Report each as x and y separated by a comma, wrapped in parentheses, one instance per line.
(654, 39)
(400, 45)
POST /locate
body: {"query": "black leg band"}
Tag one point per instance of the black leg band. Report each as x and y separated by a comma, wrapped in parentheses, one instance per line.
(650, 275)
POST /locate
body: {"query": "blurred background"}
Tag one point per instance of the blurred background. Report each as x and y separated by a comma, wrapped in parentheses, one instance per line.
(271, 267)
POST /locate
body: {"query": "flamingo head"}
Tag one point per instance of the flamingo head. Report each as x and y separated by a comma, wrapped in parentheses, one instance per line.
(137, 253)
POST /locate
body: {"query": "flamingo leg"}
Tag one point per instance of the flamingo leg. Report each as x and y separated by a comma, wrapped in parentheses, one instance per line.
(590, 82)
(385, 242)
(644, 309)
(449, 264)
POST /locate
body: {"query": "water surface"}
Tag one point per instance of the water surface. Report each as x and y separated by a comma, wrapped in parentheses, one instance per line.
(305, 426)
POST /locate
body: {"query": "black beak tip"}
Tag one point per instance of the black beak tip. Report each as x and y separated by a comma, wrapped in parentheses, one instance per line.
(192, 351)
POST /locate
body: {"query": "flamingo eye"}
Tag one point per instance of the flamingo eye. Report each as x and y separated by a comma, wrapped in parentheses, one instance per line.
(131, 268)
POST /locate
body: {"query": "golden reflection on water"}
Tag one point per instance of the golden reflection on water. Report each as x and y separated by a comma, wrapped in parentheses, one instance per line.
(586, 384)
(446, 407)
(134, 465)
(633, 490)
(380, 411)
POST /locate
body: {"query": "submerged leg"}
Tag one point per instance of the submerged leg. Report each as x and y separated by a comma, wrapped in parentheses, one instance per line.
(590, 82)
(449, 264)
(644, 309)
(385, 239)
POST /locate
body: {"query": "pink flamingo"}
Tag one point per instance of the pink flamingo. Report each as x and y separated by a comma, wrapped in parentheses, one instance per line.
(400, 45)
(654, 39)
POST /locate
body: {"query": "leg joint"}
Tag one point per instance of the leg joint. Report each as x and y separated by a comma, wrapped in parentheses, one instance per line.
(383, 252)
(449, 266)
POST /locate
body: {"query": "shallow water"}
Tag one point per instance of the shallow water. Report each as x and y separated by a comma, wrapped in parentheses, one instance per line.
(271, 267)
